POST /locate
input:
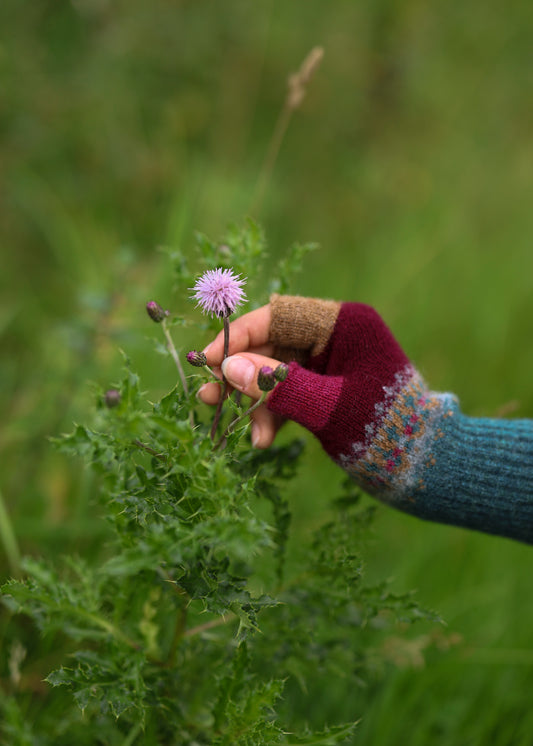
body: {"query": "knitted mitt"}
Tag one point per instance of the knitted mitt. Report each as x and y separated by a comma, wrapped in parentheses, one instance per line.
(353, 387)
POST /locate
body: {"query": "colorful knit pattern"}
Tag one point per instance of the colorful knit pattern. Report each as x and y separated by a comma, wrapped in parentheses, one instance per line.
(398, 443)
(414, 449)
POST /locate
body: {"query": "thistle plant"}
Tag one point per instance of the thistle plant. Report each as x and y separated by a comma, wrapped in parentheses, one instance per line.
(197, 621)
(198, 359)
(219, 292)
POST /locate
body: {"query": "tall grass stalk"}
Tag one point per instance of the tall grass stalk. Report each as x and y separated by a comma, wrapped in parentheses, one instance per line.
(9, 540)
(296, 89)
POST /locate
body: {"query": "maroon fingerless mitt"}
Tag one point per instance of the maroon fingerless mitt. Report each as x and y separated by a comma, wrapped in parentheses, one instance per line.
(351, 385)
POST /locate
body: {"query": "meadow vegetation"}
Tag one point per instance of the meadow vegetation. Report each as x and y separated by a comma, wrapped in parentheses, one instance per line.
(128, 127)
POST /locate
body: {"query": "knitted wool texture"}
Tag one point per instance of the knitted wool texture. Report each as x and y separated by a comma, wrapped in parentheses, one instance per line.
(355, 389)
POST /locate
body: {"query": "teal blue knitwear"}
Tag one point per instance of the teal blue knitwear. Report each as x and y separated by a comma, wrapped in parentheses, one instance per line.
(484, 476)
(354, 388)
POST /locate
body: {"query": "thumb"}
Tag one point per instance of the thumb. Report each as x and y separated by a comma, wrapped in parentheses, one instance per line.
(241, 371)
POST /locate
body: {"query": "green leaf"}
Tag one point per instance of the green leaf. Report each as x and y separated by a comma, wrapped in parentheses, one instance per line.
(187, 622)
(180, 429)
(290, 265)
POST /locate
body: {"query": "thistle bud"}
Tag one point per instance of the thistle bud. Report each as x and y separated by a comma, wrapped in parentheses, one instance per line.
(281, 372)
(265, 378)
(155, 312)
(112, 398)
(198, 359)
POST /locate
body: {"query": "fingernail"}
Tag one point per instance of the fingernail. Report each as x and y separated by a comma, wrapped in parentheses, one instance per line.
(200, 391)
(239, 371)
(207, 348)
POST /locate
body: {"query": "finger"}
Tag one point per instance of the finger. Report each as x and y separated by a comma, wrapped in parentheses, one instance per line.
(265, 425)
(248, 332)
(311, 399)
(209, 393)
(241, 372)
(265, 350)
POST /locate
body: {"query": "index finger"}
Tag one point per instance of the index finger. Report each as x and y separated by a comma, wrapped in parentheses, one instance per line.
(248, 332)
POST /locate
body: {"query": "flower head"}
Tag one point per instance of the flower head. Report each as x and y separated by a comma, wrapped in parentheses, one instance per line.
(281, 372)
(155, 312)
(112, 398)
(266, 379)
(219, 292)
(198, 359)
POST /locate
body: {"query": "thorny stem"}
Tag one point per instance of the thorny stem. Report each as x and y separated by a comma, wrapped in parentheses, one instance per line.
(144, 447)
(224, 394)
(231, 427)
(209, 625)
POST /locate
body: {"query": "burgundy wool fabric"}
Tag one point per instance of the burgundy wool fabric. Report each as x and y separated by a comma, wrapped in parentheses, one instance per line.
(336, 395)
(411, 447)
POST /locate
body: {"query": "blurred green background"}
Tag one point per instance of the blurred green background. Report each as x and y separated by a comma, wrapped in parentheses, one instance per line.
(127, 125)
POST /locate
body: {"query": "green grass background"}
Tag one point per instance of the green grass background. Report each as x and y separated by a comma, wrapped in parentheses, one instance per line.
(127, 125)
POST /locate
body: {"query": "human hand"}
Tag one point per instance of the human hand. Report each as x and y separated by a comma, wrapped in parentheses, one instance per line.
(345, 355)
(250, 349)
(353, 387)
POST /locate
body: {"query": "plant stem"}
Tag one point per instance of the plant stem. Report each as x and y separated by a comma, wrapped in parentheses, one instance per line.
(208, 369)
(209, 625)
(231, 427)
(99, 621)
(218, 412)
(9, 540)
(267, 168)
(148, 449)
(132, 735)
(181, 621)
(176, 358)
(296, 90)
(179, 633)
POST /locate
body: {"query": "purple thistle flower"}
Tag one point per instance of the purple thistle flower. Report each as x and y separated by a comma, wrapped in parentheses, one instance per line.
(219, 292)
(281, 372)
(112, 398)
(198, 359)
(155, 312)
(266, 379)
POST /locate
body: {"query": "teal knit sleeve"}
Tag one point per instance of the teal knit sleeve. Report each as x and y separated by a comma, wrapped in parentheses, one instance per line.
(414, 449)
(481, 475)
(472, 472)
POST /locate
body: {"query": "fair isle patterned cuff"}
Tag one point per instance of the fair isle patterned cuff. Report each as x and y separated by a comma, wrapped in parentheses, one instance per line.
(425, 457)
(398, 444)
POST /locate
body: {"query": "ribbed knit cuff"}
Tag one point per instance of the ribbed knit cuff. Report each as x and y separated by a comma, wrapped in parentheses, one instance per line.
(410, 447)
(465, 471)
(480, 476)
